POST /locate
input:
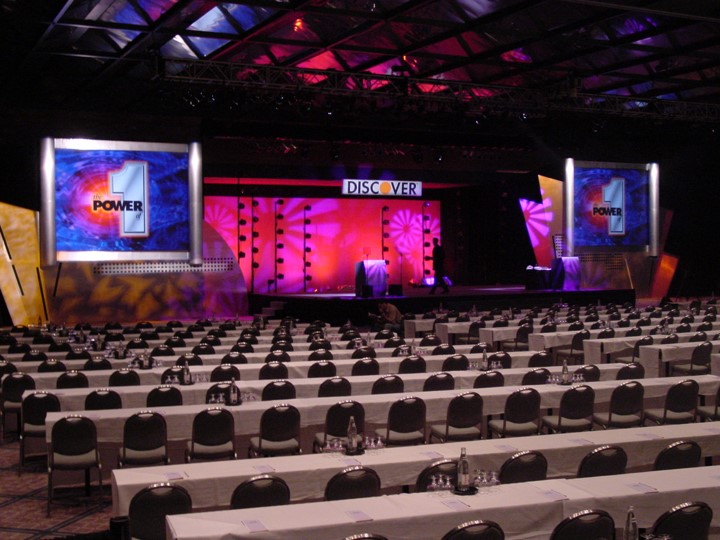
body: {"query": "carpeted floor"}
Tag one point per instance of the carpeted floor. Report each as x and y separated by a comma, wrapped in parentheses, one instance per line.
(23, 502)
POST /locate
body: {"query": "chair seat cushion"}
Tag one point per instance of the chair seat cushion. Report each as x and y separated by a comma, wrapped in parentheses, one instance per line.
(33, 430)
(274, 447)
(691, 369)
(202, 451)
(618, 420)
(153, 455)
(513, 429)
(455, 433)
(396, 437)
(657, 415)
(86, 460)
(708, 411)
(555, 423)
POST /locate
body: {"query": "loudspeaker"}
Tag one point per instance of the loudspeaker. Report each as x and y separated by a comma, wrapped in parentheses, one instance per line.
(367, 291)
(395, 290)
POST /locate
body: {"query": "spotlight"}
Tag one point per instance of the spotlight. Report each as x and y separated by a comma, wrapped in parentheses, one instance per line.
(255, 250)
(255, 234)
(255, 203)
(385, 208)
(256, 265)
(308, 278)
(426, 231)
(308, 250)
(279, 216)
(241, 206)
(241, 255)
(386, 235)
(308, 264)
(428, 258)
(281, 231)
(307, 208)
(280, 260)
(426, 204)
(255, 219)
(385, 248)
(426, 244)
(281, 276)
(280, 245)
(308, 235)
(307, 222)
(280, 201)
(242, 237)
(427, 272)
(242, 222)
(426, 217)
(386, 222)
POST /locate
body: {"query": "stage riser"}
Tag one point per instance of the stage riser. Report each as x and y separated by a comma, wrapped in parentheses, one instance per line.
(337, 310)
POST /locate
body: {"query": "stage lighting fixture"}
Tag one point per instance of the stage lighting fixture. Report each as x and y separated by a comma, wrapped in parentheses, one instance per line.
(255, 234)
(386, 235)
(428, 258)
(255, 250)
(386, 222)
(308, 249)
(280, 245)
(308, 264)
(280, 260)
(385, 248)
(426, 244)
(385, 208)
(307, 208)
(241, 206)
(308, 236)
(281, 276)
(426, 217)
(427, 272)
(280, 201)
(241, 255)
(255, 219)
(279, 216)
(308, 278)
(256, 265)
(427, 231)
(255, 203)
(307, 222)
(242, 237)
(281, 231)
(242, 222)
(426, 204)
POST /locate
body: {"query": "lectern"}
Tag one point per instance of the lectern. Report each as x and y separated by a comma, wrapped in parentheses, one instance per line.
(370, 278)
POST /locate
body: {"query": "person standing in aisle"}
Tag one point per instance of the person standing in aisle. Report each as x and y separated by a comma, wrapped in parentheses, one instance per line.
(438, 258)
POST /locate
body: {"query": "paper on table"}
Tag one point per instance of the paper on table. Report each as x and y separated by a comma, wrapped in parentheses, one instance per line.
(263, 468)
(351, 462)
(254, 525)
(506, 447)
(553, 495)
(456, 504)
(649, 436)
(433, 455)
(358, 516)
(175, 475)
(581, 441)
(642, 488)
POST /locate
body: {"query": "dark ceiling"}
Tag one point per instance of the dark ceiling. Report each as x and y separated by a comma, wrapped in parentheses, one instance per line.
(297, 59)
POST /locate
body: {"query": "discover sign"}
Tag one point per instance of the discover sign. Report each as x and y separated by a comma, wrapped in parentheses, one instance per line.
(383, 188)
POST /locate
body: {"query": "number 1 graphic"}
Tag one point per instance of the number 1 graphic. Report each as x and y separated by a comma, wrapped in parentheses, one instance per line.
(614, 197)
(130, 183)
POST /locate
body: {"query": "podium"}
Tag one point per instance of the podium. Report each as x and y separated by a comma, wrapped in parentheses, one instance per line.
(370, 278)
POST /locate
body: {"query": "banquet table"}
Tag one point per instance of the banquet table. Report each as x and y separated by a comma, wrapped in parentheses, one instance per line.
(657, 358)
(210, 484)
(135, 396)
(528, 510)
(551, 340)
(601, 350)
(109, 423)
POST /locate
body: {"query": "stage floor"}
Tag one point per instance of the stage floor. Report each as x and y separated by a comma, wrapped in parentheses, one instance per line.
(337, 308)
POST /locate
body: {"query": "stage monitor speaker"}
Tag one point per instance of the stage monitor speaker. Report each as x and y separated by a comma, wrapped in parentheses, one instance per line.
(395, 290)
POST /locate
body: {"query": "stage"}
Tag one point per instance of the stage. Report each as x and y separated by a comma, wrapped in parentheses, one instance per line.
(337, 308)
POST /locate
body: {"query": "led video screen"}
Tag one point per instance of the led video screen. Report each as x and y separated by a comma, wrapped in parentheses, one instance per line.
(611, 206)
(118, 200)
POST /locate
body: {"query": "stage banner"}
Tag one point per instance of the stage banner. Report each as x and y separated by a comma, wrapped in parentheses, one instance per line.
(382, 188)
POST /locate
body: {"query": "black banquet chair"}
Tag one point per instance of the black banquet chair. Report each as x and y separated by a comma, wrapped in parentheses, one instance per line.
(586, 524)
(279, 432)
(680, 404)
(405, 423)
(478, 529)
(213, 436)
(353, 483)
(335, 387)
(149, 507)
(103, 398)
(388, 384)
(165, 395)
(261, 490)
(33, 412)
(337, 419)
(678, 455)
(603, 461)
(521, 415)
(463, 419)
(144, 440)
(526, 466)
(72, 379)
(688, 521)
(444, 466)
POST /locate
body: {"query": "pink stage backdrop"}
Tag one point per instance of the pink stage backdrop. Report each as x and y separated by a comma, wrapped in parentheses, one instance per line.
(342, 232)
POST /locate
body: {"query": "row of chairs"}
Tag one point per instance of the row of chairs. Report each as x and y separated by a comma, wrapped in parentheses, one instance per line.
(150, 506)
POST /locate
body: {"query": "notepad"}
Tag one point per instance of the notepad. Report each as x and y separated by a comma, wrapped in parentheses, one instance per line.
(506, 447)
(175, 475)
(643, 488)
(350, 462)
(263, 468)
(553, 495)
(358, 516)
(456, 504)
(254, 525)
(433, 455)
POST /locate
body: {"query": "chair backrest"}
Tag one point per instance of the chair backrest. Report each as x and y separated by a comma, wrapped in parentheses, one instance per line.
(683, 328)
(591, 524)
(548, 327)
(407, 415)
(465, 410)
(335, 387)
(606, 333)
(603, 461)
(353, 483)
(338, 416)
(73, 435)
(523, 405)
(320, 353)
(577, 340)
(149, 507)
(145, 430)
(689, 521)
(214, 426)
(633, 370)
(628, 398)
(443, 349)
(489, 379)
(103, 398)
(388, 384)
(479, 529)
(124, 377)
(280, 423)
(273, 370)
(682, 396)
(540, 359)
(277, 355)
(242, 347)
(444, 466)
(190, 359)
(589, 373)
(456, 362)
(224, 372)
(203, 349)
(35, 407)
(393, 342)
(165, 395)
(439, 381)
(322, 369)
(502, 357)
(701, 354)
(524, 466)
(536, 376)
(51, 365)
(698, 336)
(280, 389)
(412, 364)
(14, 384)
(670, 338)
(577, 402)
(233, 358)
(262, 490)
(366, 366)
(430, 340)
(363, 351)
(678, 455)
(479, 348)
(72, 379)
